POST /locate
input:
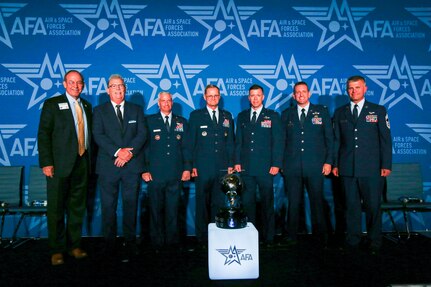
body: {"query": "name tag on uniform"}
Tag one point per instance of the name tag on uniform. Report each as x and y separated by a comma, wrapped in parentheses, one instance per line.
(204, 127)
(157, 131)
(63, 106)
(132, 122)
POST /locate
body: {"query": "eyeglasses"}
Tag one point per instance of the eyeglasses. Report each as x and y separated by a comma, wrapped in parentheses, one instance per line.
(212, 96)
(72, 83)
(114, 86)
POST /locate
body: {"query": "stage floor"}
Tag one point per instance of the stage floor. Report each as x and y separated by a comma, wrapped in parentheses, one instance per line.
(305, 264)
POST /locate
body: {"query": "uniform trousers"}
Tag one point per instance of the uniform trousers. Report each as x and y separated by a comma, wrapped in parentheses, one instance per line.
(363, 193)
(264, 183)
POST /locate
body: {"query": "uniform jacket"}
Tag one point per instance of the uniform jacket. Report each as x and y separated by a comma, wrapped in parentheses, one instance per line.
(259, 146)
(57, 137)
(362, 149)
(109, 136)
(166, 153)
(212, 145)
(307, 148)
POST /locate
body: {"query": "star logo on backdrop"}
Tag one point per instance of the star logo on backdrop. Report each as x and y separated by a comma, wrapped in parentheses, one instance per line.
(424, 130)
(222, 22)
(46, 79)
(280, 79)
(231, 255)
(336, 22)
(106, 22)
(6, 10)
(396, 80)
(167, 77)
(423, 14)
(6, 132)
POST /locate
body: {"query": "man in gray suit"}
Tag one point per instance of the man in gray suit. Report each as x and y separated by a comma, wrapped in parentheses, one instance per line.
(119, 131)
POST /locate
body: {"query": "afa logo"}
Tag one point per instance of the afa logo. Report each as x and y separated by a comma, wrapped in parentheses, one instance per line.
(337, 23)
(45, 78)
(167, 76)
(234, 255)
(424, 130)
(280, 78)
(223, 22)
(106, 21)
(399, 81)
(6, 10)
(6, 133)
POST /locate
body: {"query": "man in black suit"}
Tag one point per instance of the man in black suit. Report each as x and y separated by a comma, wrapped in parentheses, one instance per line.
(64, 140)
(307, 158)
(167, 164)
(362, 159)
(212, 146)
(258, 156)
(119, 131)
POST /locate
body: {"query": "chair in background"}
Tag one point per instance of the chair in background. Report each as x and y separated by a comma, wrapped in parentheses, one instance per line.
(10, 191)
(36, 205)
(404, 193)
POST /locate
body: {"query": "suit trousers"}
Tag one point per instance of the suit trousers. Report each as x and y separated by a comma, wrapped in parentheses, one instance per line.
(249, 199)
(67, 195)
(164, 199)
(209, 199)
(110, 186)
(370, 190)
(294, 186)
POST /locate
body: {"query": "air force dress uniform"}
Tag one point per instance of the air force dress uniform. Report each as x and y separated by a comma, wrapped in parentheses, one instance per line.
(166, 157)
(258, 147)
(362, 148)
(307, 148)
(212, 146)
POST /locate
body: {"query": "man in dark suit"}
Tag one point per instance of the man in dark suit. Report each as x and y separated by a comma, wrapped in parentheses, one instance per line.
(167, 164)
(119, 131)
(307, 158)
(212, 146)
(258, 156)
(362, 159)
(64, 140)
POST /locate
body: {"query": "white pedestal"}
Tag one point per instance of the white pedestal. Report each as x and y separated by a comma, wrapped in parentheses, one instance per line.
(233, 253)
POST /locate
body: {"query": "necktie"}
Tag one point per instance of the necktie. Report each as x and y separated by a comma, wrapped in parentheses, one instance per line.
(214, 118)
(355, 112)
(119, 115)
(81, 133)
(302, 117)
(167, 123)
(254, 117)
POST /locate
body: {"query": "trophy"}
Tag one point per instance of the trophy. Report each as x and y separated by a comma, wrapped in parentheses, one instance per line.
(231, 215)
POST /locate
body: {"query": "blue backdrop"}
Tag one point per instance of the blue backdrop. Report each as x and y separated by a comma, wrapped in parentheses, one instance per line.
(183, 45)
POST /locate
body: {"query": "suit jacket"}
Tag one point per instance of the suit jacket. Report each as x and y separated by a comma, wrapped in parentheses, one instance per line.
(57, 137)
(307, 148)
(364, 148)
(166, 153)
(259, 146)
(212, 145)
(109, 136)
